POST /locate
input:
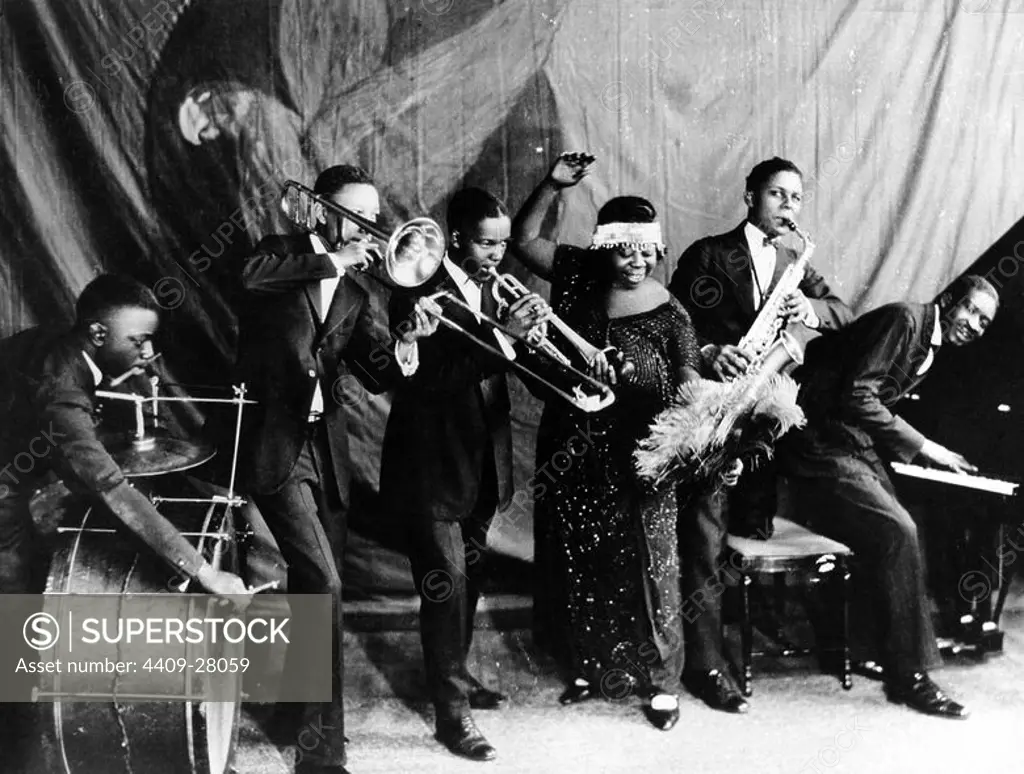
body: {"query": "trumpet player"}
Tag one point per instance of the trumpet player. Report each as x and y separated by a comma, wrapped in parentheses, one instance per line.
(723, 281)
(306, 313)
(447, 458)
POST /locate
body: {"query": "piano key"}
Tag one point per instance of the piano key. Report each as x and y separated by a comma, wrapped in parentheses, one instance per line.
(993, 485)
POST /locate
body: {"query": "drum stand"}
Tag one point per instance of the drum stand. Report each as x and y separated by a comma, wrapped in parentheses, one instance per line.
(211, 744)
(141, 444)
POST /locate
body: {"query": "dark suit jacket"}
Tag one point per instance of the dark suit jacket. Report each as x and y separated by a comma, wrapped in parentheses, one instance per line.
(850, 384)
(714, 281)
(47, 426)
(449, 420)
(284, 349)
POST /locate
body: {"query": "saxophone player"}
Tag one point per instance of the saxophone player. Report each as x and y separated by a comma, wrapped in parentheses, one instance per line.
(723, 281)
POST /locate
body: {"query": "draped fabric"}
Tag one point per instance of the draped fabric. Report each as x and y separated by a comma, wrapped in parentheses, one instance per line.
(902, 114)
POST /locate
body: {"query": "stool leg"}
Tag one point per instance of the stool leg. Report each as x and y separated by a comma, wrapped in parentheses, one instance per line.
(747, 637)
(844, 596)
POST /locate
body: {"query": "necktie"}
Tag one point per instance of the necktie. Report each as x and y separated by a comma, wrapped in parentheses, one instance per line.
(488, 305)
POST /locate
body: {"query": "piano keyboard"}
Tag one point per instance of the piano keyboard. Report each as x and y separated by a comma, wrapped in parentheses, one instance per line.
(993, 485)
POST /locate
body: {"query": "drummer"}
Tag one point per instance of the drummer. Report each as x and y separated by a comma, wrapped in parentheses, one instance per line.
(47, 394)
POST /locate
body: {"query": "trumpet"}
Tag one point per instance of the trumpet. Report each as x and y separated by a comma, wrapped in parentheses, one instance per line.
(515, 289)
(601, 394)
(411, 255)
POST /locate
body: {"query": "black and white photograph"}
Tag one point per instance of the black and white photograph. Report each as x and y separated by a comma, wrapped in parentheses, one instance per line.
(514, 386)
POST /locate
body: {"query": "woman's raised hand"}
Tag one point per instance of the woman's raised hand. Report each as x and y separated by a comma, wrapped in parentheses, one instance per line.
(570, 168)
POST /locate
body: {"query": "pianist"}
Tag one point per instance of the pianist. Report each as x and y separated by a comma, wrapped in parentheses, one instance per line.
(839, 486)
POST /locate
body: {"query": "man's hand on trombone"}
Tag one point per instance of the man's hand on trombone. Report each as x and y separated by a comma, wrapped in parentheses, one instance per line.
(422, 322)
(356, 253)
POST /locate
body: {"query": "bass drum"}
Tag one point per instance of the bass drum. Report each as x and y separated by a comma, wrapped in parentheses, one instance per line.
(109, 723)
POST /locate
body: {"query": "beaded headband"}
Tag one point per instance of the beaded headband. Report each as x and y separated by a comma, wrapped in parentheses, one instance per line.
(627, 234)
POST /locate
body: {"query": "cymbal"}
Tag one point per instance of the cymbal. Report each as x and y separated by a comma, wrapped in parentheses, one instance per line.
(157, 454)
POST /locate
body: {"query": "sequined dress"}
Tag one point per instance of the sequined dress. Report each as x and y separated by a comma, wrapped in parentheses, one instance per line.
(611, 550)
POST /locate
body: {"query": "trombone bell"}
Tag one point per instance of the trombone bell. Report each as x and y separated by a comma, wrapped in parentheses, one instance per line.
(412, 254)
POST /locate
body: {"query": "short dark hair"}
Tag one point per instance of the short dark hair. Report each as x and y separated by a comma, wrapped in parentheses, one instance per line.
(763, 172)
(627, 209)
(112, 291)
(333, 179)
(963, 286)
(469, 206)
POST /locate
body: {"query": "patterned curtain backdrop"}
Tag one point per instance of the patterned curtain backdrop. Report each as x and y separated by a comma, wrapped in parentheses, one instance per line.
(152, 136)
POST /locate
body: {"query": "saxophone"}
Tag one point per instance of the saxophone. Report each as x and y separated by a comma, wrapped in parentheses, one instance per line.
(767, 326)
(712, 424)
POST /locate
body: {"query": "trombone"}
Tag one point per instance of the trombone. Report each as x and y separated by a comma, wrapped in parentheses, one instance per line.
(412, 255)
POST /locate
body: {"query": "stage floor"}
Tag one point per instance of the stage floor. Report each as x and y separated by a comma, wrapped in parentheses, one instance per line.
(800, 720)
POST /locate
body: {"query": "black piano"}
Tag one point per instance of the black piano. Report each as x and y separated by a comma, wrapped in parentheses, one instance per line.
(973, 402)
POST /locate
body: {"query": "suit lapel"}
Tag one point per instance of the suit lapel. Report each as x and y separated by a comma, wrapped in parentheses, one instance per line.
(312, 292)
(347, 301)
(738, 266)
(913, 360)
(457, 314)
(783, 258)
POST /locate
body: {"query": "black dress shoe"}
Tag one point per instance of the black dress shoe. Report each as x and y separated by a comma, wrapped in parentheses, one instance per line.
(462, 737)
(577, 692)
(716, 690)
(921, 694)
(481, 698)
(662, 719)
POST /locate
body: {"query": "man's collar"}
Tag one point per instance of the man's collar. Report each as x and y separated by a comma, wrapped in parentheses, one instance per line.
(754, 235)
(937, 332)
(457, 272)
(319, 245)
(97, 374)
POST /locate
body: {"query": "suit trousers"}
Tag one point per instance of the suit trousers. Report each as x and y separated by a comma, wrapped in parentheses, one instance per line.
(447, 562)
(702, 530)
(303, 516)
(858, 507)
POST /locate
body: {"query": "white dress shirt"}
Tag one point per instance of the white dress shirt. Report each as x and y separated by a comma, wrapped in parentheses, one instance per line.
(407, 355)
(471, 291)
(763, 260)
(97, 374)
(935, 342)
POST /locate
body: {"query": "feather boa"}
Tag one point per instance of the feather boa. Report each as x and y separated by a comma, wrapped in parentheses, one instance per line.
(712, 424)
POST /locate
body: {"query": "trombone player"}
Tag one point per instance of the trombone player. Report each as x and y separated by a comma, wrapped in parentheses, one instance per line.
(306, 312)
(447, 459)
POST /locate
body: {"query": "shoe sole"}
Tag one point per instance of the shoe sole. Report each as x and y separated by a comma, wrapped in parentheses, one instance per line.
(908, 705)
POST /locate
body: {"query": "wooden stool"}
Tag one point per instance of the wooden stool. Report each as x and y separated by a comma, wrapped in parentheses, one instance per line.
(791, 549)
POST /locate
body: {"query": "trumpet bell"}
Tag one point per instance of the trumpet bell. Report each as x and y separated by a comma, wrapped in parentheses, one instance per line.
(414, 253)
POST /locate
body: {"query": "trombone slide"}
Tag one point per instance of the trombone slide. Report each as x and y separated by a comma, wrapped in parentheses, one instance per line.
(587, 403)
